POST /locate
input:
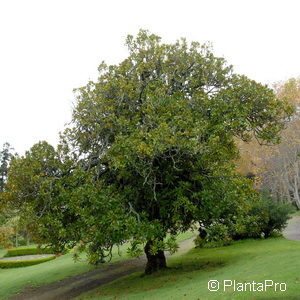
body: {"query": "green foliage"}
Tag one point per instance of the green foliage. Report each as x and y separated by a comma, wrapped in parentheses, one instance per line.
(159, 129)
(226, 202)
(240, 213)
(31, 187)
(6, 234)
(24, 263)
(22, 241)
(6, 230)
(5, 156)
(267, 217)
(217, 235)
(151, 141)
(28, 251)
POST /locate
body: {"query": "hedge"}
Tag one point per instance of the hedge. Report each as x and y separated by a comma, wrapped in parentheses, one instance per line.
(27, 251)
(5, 264)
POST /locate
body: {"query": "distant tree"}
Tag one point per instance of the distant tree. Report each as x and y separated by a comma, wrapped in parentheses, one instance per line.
(30, 189)
(289, 91)
(282, 169)
(5, 156)
(6, 233)
(282, 174)
(253, 155)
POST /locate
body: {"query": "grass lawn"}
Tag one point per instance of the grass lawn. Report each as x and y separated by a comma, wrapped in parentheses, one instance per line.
(17, 279)
(274, 259)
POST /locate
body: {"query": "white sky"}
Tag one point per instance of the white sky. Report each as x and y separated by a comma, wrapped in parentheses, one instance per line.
(47, 48)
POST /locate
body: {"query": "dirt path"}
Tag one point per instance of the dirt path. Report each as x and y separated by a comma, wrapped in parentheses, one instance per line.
(74, 286)
(292, 231)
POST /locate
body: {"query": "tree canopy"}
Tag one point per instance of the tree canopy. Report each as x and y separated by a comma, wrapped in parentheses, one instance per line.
(148, 141)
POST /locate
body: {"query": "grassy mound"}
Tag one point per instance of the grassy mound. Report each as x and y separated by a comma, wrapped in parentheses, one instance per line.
(274, 259)
(27, 251)
(6, 264)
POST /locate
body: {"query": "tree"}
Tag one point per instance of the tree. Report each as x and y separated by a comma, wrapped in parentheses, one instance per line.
(282, 175)
(6, 231)
(30, 189)
(253, 155)
(282, 172)
(289, 91)
(152, 128)
(146, 138)
(5, 156)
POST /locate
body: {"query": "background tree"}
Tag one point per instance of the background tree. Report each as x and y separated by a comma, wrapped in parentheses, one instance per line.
(280, 174)
(254, 157)
(6, 230)
(30, 190)
(289, 91)
(5, 156)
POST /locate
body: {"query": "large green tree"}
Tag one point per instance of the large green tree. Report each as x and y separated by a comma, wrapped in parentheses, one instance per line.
(154, 127)
(148, 139)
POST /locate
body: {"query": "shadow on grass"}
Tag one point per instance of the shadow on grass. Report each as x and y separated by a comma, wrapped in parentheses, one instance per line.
(183, 266)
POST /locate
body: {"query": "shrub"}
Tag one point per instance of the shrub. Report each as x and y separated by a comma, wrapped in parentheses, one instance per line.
(28, 251)
(267, 217)
(5, 264)
(278, 215)
(248, 226)
(262, 217)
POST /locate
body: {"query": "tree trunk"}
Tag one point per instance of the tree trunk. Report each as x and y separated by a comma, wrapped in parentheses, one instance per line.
(156, 261)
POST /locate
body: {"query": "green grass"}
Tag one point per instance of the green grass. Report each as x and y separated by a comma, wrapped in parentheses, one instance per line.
(27, 251)
(274, 259)
(15, 280)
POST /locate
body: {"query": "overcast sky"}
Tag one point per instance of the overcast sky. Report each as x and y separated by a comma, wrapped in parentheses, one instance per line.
(48, 48)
